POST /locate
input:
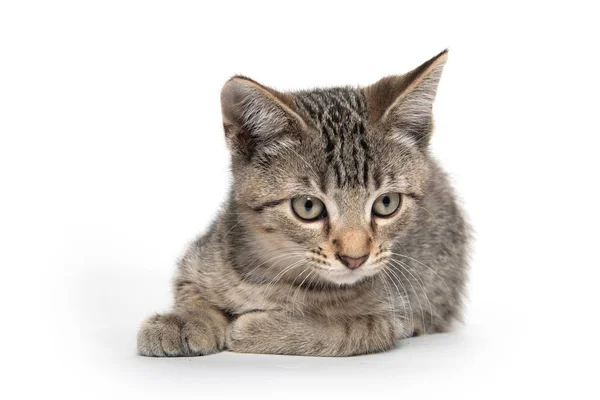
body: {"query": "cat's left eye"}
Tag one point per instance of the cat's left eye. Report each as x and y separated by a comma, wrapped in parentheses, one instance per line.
(386, 204)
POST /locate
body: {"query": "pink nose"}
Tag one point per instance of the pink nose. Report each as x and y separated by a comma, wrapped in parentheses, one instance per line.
(353, 262)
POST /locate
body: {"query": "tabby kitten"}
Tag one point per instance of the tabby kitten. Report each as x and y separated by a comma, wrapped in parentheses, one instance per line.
(341, 235)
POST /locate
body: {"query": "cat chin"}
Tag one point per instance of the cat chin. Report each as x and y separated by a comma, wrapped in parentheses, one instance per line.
(344, 278)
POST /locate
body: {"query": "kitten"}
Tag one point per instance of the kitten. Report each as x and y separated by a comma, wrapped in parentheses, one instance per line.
(341, 235)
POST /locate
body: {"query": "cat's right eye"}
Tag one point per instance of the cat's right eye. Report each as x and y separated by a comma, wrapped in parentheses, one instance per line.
(308, 208)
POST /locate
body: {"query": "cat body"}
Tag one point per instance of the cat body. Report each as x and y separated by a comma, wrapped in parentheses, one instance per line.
(341, 234)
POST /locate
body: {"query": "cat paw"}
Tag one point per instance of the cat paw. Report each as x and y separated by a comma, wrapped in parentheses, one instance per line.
(247, 334)
(176, 335)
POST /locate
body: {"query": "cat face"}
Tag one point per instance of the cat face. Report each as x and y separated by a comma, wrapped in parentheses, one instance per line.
(327, 180)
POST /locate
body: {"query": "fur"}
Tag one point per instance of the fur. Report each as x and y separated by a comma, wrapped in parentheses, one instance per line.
(261, 280)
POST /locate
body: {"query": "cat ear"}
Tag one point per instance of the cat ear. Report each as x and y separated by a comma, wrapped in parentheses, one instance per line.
(403, 104)
(257, 118)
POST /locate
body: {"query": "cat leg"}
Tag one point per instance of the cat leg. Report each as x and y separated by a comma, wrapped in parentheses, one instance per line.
(271, 332)
(184, 332)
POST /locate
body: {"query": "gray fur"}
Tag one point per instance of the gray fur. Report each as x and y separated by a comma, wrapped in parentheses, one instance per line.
(263, 281)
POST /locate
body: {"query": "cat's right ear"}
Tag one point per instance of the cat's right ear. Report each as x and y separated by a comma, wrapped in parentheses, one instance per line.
(257, 118)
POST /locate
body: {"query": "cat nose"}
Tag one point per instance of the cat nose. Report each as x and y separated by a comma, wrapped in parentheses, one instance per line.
(353, 262)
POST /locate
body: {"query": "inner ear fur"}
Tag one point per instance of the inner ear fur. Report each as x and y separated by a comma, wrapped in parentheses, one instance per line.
(404, 102)
(253, 113)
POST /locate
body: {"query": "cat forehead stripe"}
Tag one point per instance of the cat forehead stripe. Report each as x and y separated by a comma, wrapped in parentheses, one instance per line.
(340, 115)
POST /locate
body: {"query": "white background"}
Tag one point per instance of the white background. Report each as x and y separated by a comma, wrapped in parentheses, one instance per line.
(112, 158)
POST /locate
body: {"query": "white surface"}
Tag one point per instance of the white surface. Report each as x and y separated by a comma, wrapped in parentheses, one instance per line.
(112, 157)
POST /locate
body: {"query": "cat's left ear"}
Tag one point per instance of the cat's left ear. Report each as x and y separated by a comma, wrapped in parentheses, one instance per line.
(402, 104)
(257, 118)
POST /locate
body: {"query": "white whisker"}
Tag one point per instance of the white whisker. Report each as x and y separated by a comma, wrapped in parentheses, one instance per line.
(429, 268)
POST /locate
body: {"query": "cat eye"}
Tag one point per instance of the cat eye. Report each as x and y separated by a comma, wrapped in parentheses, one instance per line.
(308, 208)
(386, 204)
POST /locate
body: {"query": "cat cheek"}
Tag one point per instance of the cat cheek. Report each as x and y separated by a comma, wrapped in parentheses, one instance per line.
(267, 230)
(386, 229)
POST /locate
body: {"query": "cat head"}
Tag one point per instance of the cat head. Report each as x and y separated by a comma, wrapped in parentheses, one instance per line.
(328, 179)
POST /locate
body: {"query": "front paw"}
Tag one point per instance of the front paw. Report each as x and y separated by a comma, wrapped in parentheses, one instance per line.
(252, 333)
(281, 333)
(179, 335)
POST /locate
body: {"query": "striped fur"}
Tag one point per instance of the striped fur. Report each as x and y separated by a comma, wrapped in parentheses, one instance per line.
(340, 115)
(263, 281)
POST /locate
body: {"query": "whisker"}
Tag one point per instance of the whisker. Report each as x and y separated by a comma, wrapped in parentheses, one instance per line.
(299, 286)
(388, 271)
(294, 281)
(281, 273)
(236, 224)
(390, 296)
(432, 216)
(281, 256)
(419, 283)
(313, 275)
(431, 269)
(302, 158)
